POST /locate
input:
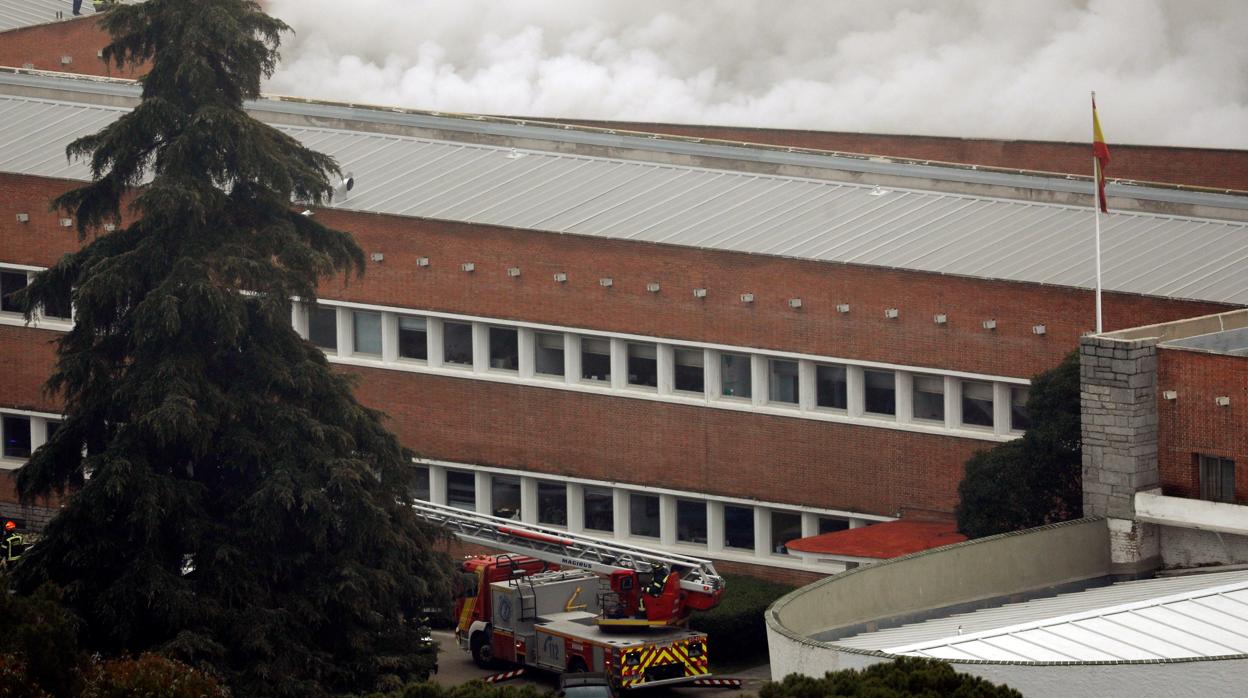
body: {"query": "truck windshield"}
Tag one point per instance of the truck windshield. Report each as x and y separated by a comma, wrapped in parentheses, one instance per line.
(467, 585)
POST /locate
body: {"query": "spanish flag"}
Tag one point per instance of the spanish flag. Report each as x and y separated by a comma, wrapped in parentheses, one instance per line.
(1101, 152)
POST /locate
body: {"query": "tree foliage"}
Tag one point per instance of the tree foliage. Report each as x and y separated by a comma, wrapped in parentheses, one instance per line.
(1034, 480)
(904, 678)
(232, 504)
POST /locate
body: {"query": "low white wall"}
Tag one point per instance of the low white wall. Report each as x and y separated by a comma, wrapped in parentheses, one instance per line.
(1189, 547)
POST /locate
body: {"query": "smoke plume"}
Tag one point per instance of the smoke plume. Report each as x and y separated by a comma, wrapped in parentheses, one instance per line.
(1166, 72)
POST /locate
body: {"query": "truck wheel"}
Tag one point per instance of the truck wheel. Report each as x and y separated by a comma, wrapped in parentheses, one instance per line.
(482, 653)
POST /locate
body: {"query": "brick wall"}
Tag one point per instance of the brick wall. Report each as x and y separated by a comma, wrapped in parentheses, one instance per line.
(1193, 424)
(1199, 167)
(42, 46)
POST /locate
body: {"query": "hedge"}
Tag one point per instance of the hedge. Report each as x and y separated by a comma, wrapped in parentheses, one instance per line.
(736, 633)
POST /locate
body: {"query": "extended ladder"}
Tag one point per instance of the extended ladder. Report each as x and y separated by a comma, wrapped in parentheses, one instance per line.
(569, 549)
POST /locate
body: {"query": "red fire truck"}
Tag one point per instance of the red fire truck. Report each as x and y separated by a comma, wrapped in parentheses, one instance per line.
(567, 602)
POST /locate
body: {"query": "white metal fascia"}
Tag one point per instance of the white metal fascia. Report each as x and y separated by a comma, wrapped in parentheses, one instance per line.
(1182, 512)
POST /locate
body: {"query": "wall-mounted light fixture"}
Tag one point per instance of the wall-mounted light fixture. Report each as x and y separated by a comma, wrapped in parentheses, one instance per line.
(842, 308)
(699, 293)
(67, 222)
(989, 324)
(653, 287)
(795, 303)
(561, 277)
(1222, 400)
(1039, 329)
(513, 272)
(940, 319)
(891, 313)
(747, 297)
(422, 261)
(606, 282)
(377, 257)
(23, 217)
(1170, 394)
(468, 267)
(110, 227)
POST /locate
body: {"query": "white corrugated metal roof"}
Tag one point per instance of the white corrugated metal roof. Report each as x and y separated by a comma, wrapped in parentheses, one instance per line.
(1202, 615)
(15, 14)
(724, 209)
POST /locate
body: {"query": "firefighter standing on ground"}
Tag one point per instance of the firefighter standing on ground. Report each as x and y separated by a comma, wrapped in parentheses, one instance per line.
(12, 546)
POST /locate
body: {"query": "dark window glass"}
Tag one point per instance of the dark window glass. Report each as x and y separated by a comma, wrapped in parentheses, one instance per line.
(643, 519)
(11, 282)
(689, 375)
(420, 483)
(16, 436)
(690, 521)
(549, 355)
(735, 375)
(880, 392)
(461, 489)
(413, 338)
(977, 404)
(738, 527)
(51, 427)
(830, 387)
(830, 525)
(1217, 479)
(367, 328)
(784, 528)
(59, 306)
(323, 327)
(783, 381)
(505, 496)
(643, 369)
(599, 510)
(457, 343)
(504, 348)
(596, 359)
(929, 398)
(552, 503)
(1020, 418)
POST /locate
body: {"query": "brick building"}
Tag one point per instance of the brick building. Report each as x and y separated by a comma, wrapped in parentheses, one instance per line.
(708, 345)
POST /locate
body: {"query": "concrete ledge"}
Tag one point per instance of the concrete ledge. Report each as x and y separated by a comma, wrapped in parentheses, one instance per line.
(1154, 507)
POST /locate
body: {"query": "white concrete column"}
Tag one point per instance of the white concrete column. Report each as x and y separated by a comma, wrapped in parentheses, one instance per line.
(619, 363)
(714, 526)
(667, 520)
(904, 387)
(857, 523)
(484, 493)
(665, 364)
(619, 512)
(346, 332)
(571, 357)
(576, 507)
(712, 374)
(1001, 408)
(759, 389)
(526, 340)
(480, 347)
(437, 484)
(810, 524)
(806, 390)
(436, 348)
(389, 337)
(299, 318)
(38, 433)
(855, 391)
(762, 531)
(528, 500)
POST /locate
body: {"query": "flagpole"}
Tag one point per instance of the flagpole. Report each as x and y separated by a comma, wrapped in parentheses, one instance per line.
(1096, 211)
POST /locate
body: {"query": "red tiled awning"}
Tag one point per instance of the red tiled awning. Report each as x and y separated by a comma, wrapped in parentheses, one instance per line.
(880, 541)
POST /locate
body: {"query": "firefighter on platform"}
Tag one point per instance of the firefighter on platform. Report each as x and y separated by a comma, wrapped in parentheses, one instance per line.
(11, 547)
(658, 580)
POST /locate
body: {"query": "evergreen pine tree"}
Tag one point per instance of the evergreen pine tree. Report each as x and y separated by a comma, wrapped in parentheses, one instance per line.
(230, 503)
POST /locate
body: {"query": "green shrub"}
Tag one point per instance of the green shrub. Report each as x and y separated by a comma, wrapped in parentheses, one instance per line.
(38, 644)
(904, 678)
(736, 634)
(150, 675)
(472, 689)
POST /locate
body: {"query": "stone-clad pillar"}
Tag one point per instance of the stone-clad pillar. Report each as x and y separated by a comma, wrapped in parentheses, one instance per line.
(1118, 400)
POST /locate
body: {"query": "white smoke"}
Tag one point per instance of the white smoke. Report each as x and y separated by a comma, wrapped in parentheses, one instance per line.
(1166, 72)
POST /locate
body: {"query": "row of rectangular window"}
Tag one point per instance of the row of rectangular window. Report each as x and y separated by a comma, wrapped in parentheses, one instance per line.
(19, 435)
(14, 280)
(643, 511)
(976, 399)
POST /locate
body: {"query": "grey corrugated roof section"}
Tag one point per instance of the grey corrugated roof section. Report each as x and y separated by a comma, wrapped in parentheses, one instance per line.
(15, 14)
(724, 209)
(1201, 615)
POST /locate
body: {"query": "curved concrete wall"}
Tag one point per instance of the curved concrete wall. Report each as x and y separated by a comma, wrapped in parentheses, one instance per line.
(967, 574)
